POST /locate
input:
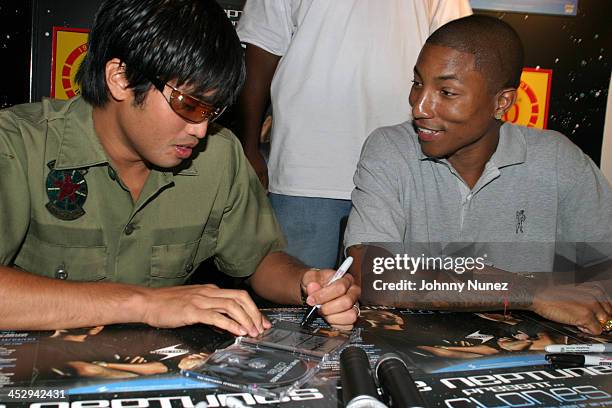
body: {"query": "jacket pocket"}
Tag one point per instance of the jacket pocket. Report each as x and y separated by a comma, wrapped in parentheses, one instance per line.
(172, 264)
(54, 260)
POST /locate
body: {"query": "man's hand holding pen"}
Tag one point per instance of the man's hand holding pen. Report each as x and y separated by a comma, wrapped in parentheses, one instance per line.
(337, 299)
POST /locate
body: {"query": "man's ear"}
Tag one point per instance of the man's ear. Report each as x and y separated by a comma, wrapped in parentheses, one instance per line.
(116, 81)
(505, 100)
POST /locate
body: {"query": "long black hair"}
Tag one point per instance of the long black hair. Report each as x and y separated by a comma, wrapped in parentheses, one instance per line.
(189, 41)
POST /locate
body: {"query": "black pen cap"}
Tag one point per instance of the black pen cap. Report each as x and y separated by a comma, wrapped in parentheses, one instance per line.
(565, 360)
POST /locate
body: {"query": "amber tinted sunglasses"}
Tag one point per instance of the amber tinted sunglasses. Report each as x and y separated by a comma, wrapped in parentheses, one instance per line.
(187, 107)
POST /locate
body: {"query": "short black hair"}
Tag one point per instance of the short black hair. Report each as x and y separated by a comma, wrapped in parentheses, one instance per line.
(189, 41)
(497, 48)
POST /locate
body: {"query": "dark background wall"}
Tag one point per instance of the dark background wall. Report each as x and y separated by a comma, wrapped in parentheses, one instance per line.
(575, 48)
(15, 31)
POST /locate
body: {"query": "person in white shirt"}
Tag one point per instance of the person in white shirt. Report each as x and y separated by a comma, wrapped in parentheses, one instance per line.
(335, 71)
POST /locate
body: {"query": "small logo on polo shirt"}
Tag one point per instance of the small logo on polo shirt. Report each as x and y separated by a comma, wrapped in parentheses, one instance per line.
(520, 221)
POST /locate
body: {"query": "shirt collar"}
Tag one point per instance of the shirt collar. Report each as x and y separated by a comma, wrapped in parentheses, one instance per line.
(80, 146)
(511, 149)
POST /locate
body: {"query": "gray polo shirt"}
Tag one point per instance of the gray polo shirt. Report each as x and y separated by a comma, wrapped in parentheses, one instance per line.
(538, 196)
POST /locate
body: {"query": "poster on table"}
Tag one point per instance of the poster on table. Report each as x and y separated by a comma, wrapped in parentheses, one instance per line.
(456, 359)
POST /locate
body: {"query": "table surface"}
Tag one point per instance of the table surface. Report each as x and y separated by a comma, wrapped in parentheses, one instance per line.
(456, 359)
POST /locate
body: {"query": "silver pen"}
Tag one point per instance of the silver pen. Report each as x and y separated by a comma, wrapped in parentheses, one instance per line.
(339, 274)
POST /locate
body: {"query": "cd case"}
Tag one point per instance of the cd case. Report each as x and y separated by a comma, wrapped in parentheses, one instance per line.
(277, 362)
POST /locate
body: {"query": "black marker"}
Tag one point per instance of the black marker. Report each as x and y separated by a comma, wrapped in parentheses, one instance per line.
(563, 360)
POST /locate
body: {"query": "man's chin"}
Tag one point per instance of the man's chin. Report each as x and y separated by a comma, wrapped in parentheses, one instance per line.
(169, 165)
(432, 152)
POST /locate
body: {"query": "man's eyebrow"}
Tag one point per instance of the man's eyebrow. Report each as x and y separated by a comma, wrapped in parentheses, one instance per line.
(448, 77)
(207, 96)
(207, 99)
(444, 77)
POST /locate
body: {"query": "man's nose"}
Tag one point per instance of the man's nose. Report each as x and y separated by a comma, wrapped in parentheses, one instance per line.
(198, 129)
(422, 105)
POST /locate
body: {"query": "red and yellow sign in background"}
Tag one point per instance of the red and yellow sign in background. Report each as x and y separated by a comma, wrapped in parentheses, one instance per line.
(532, 99)
(69, 49)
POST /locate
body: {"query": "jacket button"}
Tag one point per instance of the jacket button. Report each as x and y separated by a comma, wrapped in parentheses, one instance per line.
(61, 273)
(189, 268)
(129, 229)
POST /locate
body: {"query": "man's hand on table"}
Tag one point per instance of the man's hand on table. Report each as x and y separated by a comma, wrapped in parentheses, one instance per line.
(586, 306)
(231, 310)
(337, 300)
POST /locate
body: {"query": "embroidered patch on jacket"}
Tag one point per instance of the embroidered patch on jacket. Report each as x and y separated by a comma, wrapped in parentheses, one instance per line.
(67, 192)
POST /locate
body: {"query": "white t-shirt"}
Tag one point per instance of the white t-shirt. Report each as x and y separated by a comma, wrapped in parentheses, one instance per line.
(346, 69)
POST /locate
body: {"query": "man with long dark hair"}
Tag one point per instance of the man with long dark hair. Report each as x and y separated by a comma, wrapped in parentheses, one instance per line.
(120, 190)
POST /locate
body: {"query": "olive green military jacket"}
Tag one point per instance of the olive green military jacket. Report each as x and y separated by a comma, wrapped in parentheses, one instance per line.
(65, 213)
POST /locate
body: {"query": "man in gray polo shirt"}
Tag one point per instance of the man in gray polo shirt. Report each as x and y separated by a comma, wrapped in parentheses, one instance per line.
(456, 174)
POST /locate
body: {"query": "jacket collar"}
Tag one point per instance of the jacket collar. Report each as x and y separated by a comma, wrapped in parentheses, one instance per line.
(79, 145)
